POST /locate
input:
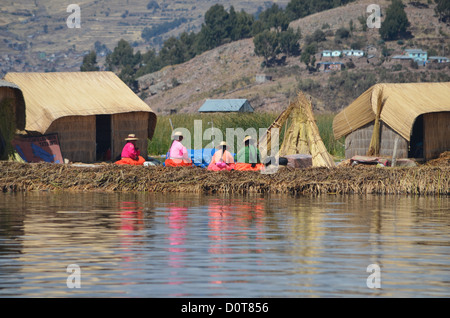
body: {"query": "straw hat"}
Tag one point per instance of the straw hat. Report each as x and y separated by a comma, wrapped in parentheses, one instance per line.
(131, 137)
(247, 138)
(223, 143)
(177, 134)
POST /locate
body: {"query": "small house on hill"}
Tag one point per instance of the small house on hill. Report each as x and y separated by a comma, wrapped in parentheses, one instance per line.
(226, 105)
(418, 114)
(92, 112)
(12, 114)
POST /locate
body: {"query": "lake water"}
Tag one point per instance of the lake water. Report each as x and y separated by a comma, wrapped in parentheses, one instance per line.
(184, 245)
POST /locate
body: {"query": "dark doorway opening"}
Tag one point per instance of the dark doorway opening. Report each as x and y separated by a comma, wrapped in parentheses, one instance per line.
(103, 137)
(416, 141)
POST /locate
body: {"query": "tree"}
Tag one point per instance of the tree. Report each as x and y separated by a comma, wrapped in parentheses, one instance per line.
(396, 22)
(267, 45)
(443, 10)
(288, 41)
(89, 62)
(308, 54)
(122, 55)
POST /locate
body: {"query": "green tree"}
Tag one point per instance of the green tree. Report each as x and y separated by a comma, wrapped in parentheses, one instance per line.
(288, 42)
(267, 45)
(308, 54)
(89, 62)
(443, 10)
(396, 22)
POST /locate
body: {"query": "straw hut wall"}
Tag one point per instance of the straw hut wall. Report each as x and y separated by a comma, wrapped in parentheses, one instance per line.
(12, 115)
(417, 114)
(90, 111)
(358, 141)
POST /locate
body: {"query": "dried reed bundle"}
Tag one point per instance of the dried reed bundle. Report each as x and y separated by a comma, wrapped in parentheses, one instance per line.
(423, 180)
(374, 147)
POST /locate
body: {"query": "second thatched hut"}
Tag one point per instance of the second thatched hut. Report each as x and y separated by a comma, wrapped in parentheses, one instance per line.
(416, 114)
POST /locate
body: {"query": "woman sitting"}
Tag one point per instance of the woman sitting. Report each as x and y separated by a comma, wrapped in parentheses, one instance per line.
(222, 159)
(178, 155)
(248, 158)
(131, 153)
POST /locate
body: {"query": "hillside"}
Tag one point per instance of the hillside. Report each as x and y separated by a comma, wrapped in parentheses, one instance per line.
(34, 35)
(229, 71)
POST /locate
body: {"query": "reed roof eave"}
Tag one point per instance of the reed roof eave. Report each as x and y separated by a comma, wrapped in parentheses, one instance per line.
(403, 103)
(50, 96)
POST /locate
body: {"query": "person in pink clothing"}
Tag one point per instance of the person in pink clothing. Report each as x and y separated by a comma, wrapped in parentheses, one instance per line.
(222, 159)
(178, 155)
(131, 155)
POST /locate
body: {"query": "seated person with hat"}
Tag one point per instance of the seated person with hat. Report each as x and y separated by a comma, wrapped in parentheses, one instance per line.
(222, 159)
(177, 155)
(131, 153)
(249, 158)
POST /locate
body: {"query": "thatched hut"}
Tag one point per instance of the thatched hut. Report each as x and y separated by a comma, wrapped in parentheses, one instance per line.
(92, 112)
(416, 114)
(12, 115)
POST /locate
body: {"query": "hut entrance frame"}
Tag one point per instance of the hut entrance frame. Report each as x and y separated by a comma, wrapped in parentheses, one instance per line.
(103, 137)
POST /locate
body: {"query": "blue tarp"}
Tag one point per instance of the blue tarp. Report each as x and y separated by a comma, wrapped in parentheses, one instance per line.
(201, 157)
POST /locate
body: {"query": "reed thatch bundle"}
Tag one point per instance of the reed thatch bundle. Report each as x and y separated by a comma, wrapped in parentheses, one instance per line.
(424, 180)
(303, 135)
(374, 147)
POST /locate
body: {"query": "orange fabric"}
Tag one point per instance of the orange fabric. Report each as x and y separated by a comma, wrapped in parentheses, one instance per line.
(214, 167)
(178, 163)
(248, 167)
(129, 161)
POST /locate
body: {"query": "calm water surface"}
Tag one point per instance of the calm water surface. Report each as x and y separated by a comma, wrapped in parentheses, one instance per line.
(158, 245)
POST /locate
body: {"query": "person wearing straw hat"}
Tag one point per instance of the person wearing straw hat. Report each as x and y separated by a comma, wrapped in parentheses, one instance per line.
(249, 158)
(222, 159)
(177, 155)
(131, 153)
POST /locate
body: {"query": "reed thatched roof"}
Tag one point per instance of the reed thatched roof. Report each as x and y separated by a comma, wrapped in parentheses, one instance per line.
(49, 96)
(402, 104)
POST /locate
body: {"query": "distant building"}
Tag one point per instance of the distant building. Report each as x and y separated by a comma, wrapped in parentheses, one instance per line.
(336, 53)
(226, 105)
(326, 53)
(330, 66)
(439, 59)
(262, 78)
(417, 54)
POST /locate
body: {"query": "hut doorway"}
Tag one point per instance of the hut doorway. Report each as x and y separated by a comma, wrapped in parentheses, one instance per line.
(2, 146)
(416, 141)
(103, 137)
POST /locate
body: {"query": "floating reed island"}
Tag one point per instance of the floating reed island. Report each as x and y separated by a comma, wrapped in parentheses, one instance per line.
(422, 180)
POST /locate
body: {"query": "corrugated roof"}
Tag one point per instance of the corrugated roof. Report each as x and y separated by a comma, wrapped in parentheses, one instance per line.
(222, 105)
(49, 96)
(403, 104)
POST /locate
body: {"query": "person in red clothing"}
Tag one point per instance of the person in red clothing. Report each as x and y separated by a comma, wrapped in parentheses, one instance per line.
(131, 155)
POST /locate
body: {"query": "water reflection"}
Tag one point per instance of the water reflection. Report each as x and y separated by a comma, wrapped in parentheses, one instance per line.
(192, 245)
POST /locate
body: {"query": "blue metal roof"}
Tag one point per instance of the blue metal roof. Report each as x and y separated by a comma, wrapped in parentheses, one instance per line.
(225, 105)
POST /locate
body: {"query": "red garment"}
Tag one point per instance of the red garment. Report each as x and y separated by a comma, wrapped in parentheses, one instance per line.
(248, 167)
(178, 163)
(129, 161)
